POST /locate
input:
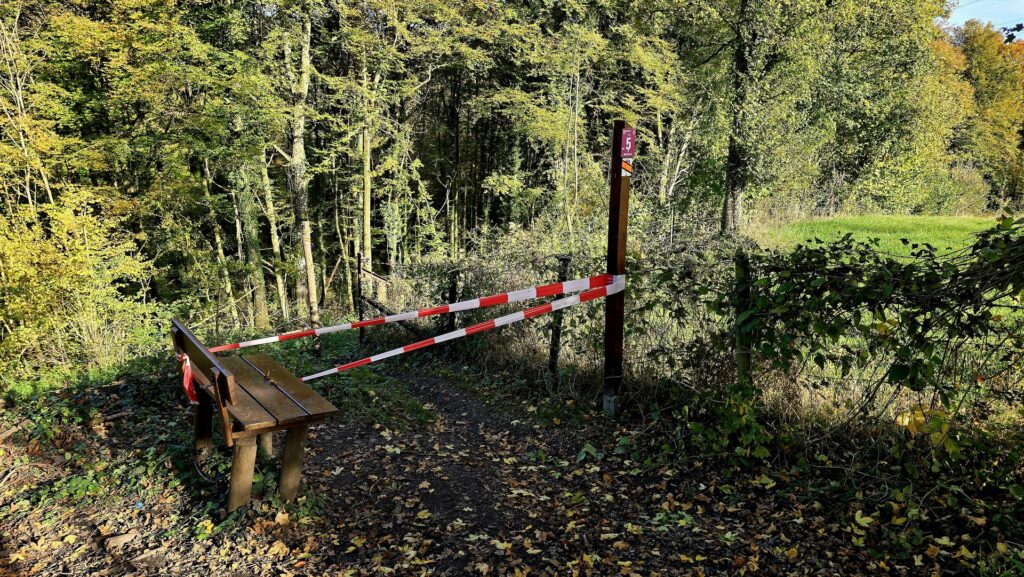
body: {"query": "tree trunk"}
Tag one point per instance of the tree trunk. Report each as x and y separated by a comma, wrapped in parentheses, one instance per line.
(251, 238)
(301, 301)
(325, 279)
(666, 160)
(343, 241)
(275, 241)
(367, 248)
(239, 236)
(298, 183)
(218, 244)
(737, 167)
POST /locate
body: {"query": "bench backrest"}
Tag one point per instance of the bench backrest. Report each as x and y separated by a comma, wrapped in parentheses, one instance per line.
(203, 362)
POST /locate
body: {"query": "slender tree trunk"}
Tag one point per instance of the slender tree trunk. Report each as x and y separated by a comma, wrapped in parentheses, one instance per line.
(275, 240)
(665, 162)
(737, 167)
(298, 183)
(301, 301)
(251, 239)
(576, 130)
(324, 279)
(239, 241)
(367, 148)
(222, 261)
(343, 241)
(456, 180)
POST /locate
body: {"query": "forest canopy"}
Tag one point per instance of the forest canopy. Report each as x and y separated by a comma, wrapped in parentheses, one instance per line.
(168, 157)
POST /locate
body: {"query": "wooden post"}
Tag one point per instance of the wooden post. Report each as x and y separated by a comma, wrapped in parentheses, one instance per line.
(203, 424)
(743, 304)
(291, 462)
(266, 444)
(556, 320)
(453, 293)
(359, 294)
(242, 465)
(615, 305)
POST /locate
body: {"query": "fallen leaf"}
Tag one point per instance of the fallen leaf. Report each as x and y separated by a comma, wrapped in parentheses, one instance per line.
(863, 520)
(120, 540)
(278, 549)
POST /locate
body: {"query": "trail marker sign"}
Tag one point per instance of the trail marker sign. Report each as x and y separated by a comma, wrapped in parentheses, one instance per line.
(628, 148)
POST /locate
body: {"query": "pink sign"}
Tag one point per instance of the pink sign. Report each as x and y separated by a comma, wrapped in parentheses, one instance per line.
(628, 149)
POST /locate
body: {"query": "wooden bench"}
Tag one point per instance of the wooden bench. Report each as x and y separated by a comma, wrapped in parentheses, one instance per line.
(253, 396)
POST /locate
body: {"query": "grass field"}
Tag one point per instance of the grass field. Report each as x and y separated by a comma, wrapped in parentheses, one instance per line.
(942, 232)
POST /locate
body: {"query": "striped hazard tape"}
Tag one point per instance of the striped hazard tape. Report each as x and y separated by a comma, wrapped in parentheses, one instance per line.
(617, 285)
(559, 288)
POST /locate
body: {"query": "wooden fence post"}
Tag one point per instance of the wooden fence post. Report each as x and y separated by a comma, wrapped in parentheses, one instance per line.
(556, 320)
(623, 151)
(453, 294)
(743, 304)
(359, 294)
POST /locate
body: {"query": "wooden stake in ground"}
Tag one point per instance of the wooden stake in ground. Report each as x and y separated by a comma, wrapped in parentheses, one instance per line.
(623, 151)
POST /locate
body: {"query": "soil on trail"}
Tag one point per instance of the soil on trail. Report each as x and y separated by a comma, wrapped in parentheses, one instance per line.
(482, 489)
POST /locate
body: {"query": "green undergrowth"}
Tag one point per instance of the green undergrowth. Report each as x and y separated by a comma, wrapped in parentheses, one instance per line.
(368, 397)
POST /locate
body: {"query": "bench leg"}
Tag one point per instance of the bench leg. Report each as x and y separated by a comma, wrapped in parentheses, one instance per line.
(266, 441)
(203, 425)
(242, 465)
(291, 463)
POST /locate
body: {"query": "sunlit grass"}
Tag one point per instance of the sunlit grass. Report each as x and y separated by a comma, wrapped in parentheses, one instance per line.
(943, 232)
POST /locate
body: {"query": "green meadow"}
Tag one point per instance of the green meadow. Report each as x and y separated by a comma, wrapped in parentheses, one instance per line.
(943, 232)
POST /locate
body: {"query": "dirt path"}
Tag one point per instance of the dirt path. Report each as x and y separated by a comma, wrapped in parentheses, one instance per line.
(483, 491)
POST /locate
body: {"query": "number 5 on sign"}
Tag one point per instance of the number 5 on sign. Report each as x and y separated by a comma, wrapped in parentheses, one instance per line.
(628, 148)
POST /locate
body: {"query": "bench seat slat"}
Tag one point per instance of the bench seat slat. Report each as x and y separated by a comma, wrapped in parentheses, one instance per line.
(310, 400)
(283, 409)
(247, 413)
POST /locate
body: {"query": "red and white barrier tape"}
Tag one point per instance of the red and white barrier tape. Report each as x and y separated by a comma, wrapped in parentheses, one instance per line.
(617, 285)
(187, 382)
(571, 286)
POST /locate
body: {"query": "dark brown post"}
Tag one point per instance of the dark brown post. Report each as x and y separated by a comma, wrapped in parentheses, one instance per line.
(623, 150)
(453, 293)
(744, 361)
(556, 320)
(203, 425)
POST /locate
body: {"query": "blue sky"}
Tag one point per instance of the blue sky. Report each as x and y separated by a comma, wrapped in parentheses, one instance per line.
(998, 12)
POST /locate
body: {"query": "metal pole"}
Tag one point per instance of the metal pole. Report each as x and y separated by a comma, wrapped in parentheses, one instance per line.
(623, 150)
